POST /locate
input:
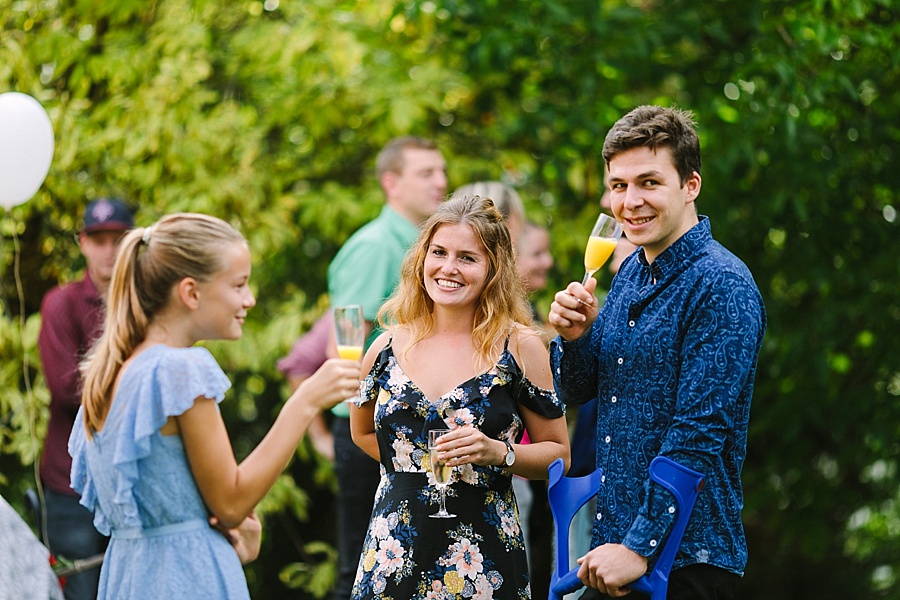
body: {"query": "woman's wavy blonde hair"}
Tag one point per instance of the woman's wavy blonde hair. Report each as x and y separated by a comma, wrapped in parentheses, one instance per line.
(150, 261)
(502, 303)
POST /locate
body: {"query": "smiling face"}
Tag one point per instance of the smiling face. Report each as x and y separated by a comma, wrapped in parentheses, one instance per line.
(648, 198)
(456, 267)
(226, 297)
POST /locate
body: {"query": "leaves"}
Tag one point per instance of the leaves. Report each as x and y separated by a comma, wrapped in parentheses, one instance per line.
(270, 115)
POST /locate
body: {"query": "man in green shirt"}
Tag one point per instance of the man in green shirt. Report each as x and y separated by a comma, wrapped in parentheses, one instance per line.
(413, 174)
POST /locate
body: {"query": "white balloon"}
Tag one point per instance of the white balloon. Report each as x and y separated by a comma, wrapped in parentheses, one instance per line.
(26, 147)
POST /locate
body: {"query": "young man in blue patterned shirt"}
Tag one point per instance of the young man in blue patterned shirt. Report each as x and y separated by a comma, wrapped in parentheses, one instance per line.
(672, 357)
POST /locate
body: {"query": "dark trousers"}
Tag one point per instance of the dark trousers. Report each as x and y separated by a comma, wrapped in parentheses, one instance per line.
(540, 532)
(357, 477)
(694, 582)
(71, 533)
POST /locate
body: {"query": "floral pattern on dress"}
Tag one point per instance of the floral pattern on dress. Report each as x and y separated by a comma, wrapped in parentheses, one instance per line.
(462, 571)
(478, 554)
(391, 550)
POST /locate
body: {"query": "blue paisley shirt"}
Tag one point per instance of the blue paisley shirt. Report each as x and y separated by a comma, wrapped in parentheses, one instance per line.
(672, 358)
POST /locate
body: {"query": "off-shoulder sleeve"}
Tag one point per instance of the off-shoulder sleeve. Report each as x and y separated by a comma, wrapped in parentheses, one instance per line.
(534, 398)
(164, 383)
(376, 378)
(537, 399)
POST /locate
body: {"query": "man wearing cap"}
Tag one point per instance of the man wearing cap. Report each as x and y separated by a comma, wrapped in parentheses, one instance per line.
(71, 320)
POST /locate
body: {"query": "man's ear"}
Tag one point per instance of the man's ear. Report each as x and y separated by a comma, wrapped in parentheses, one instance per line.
(388, 183)
(188, 292)
(692, 186)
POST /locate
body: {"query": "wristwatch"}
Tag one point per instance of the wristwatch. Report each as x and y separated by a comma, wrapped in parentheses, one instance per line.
(510, 457)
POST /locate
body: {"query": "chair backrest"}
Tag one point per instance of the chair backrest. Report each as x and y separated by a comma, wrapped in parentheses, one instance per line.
(683, 483)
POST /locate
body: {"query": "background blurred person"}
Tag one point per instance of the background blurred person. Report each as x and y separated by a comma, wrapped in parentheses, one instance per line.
(71, 320)
(506, 200)
(534, 261)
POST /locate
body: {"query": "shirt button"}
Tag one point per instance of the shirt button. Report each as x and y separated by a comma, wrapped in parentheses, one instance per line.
(599, 516)
(614, 399)
(607, 439)
(621, 360)
(653, 543)
(631, 323)
(603, 479)
(671, 509)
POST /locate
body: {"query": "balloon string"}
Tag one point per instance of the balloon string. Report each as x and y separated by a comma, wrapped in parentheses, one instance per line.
(26, 374)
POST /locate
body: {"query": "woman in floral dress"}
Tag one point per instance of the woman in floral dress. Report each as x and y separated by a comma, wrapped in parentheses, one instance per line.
(457, 354)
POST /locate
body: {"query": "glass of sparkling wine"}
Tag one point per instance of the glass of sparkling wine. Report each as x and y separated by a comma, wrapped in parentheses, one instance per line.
(442, 472)
(349, 332)
(600, 245)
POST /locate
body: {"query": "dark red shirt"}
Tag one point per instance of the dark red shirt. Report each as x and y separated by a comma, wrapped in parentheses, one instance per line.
(71, 319)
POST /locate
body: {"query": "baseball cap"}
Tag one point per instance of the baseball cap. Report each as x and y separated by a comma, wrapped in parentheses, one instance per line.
(107, 214)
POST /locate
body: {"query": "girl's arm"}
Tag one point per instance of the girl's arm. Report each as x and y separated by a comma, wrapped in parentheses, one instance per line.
(232, 490)
(362, 418)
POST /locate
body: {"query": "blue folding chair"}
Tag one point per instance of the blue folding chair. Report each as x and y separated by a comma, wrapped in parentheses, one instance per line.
(568, 494)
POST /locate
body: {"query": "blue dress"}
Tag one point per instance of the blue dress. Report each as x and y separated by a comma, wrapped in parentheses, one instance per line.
(140, 487)
(478, 554)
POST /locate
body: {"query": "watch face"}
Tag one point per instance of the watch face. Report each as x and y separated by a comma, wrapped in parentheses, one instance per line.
(510, 458)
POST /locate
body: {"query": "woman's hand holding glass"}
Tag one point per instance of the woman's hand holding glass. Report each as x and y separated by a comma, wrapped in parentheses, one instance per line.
(441, 470)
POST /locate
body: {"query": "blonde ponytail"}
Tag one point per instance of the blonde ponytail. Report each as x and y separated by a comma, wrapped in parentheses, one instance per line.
(125, 327)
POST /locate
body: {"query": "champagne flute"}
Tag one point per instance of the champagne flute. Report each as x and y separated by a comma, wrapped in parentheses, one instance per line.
(349, 332)
(441, 470)
(600, 245)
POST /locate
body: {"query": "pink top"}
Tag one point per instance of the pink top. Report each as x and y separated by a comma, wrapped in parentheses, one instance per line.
(310, 351)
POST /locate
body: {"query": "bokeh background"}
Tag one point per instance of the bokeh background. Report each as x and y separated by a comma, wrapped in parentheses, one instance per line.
(269, 114)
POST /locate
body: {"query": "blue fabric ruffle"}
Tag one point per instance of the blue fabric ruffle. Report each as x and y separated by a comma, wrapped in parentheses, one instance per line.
(166, 381)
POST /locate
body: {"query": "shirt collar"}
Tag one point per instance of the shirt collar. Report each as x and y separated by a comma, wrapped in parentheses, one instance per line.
(398, 223)
(90, 289)
(680, 251)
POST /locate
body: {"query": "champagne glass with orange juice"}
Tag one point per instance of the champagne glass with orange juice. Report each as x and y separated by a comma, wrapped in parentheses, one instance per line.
(600, 245)
(349, 332)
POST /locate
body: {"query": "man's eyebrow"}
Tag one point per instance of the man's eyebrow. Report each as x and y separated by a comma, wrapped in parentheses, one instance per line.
(645, 175)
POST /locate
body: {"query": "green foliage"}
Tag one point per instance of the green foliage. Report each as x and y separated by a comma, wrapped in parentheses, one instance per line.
(23, 398)
(269, 114)
(317, 579)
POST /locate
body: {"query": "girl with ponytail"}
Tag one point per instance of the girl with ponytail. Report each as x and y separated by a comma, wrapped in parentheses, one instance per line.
(151, 456)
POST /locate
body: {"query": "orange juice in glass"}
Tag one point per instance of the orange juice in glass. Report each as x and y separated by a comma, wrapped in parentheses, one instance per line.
(349, 332)
(600, 245)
